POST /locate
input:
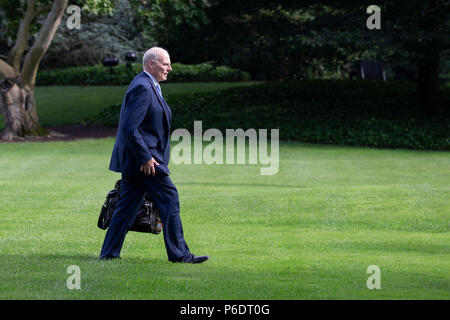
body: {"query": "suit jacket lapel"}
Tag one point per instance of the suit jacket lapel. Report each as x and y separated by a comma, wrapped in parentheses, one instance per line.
(167, 109)
(165, 106)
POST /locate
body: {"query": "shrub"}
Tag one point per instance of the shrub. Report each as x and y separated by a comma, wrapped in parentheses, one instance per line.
(353, 112)
(122, 74)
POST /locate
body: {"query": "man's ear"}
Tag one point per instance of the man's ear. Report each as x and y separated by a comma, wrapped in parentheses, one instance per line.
(149, 64)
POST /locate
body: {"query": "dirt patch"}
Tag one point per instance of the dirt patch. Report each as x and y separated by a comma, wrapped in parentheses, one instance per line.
(70, 133)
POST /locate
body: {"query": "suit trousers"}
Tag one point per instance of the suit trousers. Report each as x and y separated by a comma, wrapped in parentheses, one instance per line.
(164, 195)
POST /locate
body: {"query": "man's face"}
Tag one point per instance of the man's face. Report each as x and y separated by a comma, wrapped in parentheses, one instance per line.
(160, 68)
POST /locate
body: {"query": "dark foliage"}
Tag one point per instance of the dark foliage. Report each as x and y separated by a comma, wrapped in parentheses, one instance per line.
(358, 113)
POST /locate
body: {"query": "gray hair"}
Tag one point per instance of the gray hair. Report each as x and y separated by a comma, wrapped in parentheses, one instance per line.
(153, 53)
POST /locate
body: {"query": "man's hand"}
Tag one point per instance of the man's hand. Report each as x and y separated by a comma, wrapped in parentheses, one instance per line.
(149, 167)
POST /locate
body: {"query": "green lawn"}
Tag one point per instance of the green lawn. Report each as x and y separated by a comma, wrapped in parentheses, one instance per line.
(308, 232)
(58, 105)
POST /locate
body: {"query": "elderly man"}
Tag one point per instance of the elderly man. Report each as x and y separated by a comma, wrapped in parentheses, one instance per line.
(141, 153)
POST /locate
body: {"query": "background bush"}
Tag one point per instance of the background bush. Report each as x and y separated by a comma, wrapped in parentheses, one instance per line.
(100, 36)
(123, 74)
(353, 112)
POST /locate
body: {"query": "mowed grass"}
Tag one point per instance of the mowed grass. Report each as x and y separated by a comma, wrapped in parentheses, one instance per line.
(308, 232)
(59, 105)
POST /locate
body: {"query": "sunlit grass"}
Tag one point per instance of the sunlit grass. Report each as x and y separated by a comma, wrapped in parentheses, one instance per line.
(308, 232)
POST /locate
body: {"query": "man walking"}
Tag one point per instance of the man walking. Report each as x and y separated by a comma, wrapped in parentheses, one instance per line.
(141, 153)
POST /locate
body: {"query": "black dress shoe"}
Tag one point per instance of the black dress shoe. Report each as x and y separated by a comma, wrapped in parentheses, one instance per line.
(190, 258)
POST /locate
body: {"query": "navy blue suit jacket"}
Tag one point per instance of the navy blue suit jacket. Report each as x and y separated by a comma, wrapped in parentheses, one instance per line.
(144, 129)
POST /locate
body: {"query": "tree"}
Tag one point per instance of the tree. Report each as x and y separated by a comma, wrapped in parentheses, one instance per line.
(416, 31)
(17, 82)
(17, 77)
(100, 36)
(291, 39)
(175, 24)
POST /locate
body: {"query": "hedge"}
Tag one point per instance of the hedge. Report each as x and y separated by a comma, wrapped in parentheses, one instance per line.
(123, 74)
(353, 112)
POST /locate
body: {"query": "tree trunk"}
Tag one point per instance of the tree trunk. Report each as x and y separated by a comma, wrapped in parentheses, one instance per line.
(17, 90)
(428, 84)
(16, 52)
(42, 42)
(19, 111)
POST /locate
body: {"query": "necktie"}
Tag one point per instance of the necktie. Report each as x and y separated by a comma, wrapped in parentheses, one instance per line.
(158, 88)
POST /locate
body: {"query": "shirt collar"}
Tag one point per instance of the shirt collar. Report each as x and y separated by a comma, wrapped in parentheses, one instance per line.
(153, 79)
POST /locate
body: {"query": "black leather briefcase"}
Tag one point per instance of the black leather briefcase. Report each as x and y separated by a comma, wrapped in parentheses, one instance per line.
(147, 220)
